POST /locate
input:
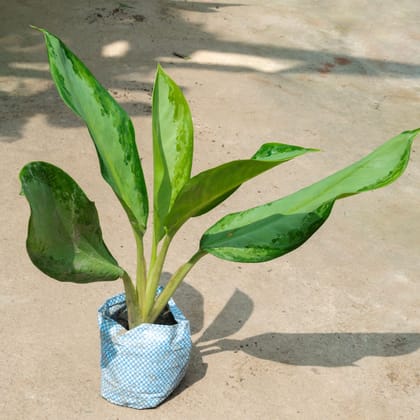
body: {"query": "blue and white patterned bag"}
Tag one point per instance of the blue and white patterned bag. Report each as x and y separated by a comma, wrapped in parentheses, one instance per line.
(141, 367)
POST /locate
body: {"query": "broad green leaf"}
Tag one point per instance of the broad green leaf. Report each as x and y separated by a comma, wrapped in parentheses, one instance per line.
(172, 145)
(64, 237)
(271, 230)
(209, 188)
(109, 126)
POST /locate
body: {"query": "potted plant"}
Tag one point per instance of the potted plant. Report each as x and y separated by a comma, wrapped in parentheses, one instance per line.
(145, 339)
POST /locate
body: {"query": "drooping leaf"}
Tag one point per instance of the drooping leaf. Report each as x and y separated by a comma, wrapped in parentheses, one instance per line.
(64, 237)
(172, 145)
(271, 230)
(209, 188)
(109, 126)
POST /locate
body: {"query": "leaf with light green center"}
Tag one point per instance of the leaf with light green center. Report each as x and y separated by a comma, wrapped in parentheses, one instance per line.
(64, 236)
(172, 145)
(274, 229)
(109, 126)
(206, 190)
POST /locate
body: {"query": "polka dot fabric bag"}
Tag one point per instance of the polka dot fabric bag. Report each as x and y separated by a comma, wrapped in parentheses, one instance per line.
(141, 367)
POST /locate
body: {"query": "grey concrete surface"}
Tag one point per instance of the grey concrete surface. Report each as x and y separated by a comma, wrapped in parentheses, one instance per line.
(329, 331)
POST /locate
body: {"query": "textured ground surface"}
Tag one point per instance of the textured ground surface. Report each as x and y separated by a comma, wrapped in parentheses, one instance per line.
(329, 331)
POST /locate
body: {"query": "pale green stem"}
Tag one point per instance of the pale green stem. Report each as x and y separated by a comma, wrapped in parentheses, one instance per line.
(154, 276)
(172, 285)
(141, 278)
(154, 251)
(134, 316)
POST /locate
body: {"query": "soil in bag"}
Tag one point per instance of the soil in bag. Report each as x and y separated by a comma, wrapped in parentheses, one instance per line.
(165, 318)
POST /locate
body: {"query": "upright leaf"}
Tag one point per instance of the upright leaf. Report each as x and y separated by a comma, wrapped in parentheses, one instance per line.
(109, 126)
(209, 188)
(64, 237)
(271, 230)
(172, 146)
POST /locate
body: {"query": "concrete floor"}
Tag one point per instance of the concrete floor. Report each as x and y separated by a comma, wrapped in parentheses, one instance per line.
(329, 331)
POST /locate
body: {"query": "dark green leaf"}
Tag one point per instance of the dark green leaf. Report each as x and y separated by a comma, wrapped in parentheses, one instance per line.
(209, 188)
(109, 126)
(172, 145)
(64, 237)
(271, 230)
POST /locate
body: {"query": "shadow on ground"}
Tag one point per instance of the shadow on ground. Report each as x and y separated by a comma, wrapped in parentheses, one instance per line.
(164, 32)
(300, 349)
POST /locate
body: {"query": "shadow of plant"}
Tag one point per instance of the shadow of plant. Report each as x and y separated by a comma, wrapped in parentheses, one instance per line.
(299, 349)
(319, 349)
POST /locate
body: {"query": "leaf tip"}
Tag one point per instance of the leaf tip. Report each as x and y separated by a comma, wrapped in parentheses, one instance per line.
(159, 68)
(37, 28)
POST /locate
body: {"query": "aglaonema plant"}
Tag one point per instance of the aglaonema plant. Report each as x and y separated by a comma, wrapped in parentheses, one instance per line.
(64, 236)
